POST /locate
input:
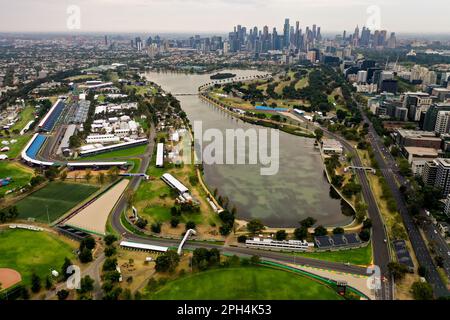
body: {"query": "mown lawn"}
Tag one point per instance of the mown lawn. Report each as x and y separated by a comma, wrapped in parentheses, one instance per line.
(130, 152)
(56, 197)
(26, 116)
(360, 256)
(16, 148)
(255, 283)
(33, 251)
(20, 175)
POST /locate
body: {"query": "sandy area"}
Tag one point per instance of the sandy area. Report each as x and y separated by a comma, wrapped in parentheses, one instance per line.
(93, 218)
(9, 277)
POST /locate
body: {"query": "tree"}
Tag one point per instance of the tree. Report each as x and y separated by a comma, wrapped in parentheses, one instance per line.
(86, 284)
(126, 295)
(109, 239)
(367, 223)
(364, 234)
(403, 168)
(255, 226)
(141, 223)
(422, 291)
(319, 134)
(62, 294)
(361, 211)
(281, 235)
(338, 230)
(320, 231)
(422, 271)
(174, 221)
(110, 264)
(88, 175)
(67, 263)
(242, 238)
(255, 260)
(301, 233)
(48, 283)
(35, 283)
(167, 262)
(397, 270)
(85, 255)
(190, 225)
(308, 222)
(156, 227)
(110, 251)
(88, 242)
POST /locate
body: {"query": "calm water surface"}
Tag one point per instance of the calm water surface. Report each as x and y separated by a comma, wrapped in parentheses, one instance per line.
(297, 191)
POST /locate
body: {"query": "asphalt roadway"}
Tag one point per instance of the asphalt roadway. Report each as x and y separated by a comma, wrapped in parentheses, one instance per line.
(237, 250)
(380, 246)
(389, 170)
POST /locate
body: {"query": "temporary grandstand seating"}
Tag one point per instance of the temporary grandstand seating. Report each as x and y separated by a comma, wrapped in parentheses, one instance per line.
(403, 255)
(337, 240)
(352, 238)
(35, 146)
(323, 241)
(50, 119)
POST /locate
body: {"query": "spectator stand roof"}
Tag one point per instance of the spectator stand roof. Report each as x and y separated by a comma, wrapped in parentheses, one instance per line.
(48, 122)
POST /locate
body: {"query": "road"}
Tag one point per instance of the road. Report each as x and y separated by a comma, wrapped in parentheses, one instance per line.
(380, 246)
(389, 170)
(239, 251)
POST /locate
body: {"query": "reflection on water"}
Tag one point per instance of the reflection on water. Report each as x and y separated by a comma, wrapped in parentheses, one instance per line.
(297, 191)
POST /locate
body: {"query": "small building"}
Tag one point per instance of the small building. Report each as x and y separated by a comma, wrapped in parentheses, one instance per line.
(331, 146)
(160, 155)
(416, 153)
(142, 246)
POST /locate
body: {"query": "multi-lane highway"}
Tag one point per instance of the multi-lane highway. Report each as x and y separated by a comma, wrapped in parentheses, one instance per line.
(381, 254)
(390, 172)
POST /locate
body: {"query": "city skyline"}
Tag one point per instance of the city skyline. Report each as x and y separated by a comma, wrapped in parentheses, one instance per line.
(217, 16)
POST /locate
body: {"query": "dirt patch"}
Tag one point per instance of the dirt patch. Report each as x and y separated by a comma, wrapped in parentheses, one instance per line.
(94, 217)
(8, 278)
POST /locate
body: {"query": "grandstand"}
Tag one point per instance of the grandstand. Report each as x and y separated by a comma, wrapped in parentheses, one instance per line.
(113, 147)
(36, 145)
(48, 122)
(284, 245)
(337, 241)
(31, 150)
(403, 256)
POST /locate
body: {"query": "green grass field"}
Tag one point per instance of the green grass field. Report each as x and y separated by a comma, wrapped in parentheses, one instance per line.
(131, 152)
(26, 116)
(58, 197)
(244, 283)
(16, 148)
(136, 165)
(31, 251)
(360, 256)
(20, 175)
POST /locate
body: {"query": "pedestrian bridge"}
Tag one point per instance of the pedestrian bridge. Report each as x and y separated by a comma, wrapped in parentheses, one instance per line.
(360, 168)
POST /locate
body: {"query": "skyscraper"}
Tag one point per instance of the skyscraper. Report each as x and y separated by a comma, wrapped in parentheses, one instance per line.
(286, 33)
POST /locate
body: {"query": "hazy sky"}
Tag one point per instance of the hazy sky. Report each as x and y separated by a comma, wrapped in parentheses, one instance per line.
(151, 16)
